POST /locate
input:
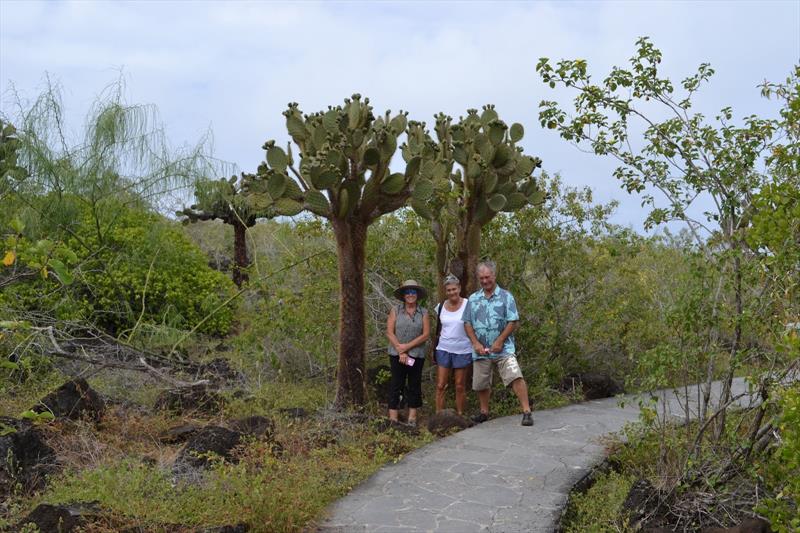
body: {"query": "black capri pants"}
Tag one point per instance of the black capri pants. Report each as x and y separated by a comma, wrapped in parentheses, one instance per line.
(408, 376)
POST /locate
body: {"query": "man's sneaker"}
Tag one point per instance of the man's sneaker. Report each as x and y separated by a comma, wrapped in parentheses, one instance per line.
(527, 419)
(480, 418)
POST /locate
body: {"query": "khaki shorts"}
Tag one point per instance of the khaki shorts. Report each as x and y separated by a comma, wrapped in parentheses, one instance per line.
(507, 366)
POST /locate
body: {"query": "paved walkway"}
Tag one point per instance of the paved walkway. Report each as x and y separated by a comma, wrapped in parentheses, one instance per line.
(497, 477)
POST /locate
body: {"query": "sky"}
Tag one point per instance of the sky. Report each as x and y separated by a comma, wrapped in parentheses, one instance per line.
(231, 67)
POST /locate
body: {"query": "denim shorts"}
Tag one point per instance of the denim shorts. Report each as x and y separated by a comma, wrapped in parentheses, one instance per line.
(453, 360)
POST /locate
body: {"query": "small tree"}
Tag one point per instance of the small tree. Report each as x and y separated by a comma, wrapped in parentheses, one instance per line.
(477, 171)
(686, 159)
(226, 200)
(343, 175)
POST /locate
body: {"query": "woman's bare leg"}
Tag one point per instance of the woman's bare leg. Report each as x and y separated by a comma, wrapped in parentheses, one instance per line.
(461, 390)
(442, 377)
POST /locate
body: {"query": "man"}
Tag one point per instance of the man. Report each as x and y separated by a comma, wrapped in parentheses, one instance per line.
(490, 319)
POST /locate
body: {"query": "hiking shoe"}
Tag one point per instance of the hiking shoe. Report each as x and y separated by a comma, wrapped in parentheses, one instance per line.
(527, 419)
(412, 423)
(480, 418)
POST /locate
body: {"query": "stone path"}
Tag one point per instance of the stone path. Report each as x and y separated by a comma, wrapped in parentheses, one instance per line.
(497, 477)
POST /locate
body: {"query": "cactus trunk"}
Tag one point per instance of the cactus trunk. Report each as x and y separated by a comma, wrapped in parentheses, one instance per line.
(468, 250)
(241, 261)
(351, 237)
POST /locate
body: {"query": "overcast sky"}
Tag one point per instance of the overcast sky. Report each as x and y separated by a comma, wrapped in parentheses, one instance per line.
(233, 66)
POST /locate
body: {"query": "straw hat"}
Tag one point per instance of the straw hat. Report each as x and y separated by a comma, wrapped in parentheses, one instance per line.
(410, 284)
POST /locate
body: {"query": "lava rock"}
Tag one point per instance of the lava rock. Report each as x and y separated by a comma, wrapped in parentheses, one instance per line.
(256, 425)
(641, 499)
(61, 518)
(26, 457)
(447, 420)
(74, 399)
(218, 440)
(179, 433)
(594, 385)
(195, 398)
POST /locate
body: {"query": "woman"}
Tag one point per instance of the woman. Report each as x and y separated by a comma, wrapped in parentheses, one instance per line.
(407, 329)
(454, 349)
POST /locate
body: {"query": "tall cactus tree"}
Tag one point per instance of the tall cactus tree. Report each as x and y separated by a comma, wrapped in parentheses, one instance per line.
(231, 201)
(476, 171)
(343, 175)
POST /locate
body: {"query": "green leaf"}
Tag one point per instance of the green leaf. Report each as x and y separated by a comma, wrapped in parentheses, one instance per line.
(318, 203)
(296, 128)
(413, 167)
(61, 271)
(372, 157)
(325, 180)
(421, 209)
(489, 182)
(496, 133)
(17, 225)
(515, 201)
(497, 202)
(276, 185)
(398, 124)
(423, 189)
(488, 115)
(287, 207)
(276, 158)
(517, 132)
(330, 121)
(394, 183)
(354, 114)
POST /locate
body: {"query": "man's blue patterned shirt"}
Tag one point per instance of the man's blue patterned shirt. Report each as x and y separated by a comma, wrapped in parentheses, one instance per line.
(489, 317)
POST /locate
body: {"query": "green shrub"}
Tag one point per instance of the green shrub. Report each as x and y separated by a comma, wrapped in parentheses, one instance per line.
(142, 260)
(598, 509)
(782, 472)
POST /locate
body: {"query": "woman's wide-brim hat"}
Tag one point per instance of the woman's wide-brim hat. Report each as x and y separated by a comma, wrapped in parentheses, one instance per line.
(410, 284)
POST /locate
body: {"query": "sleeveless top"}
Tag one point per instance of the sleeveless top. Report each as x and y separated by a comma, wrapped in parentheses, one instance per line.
(453, 338)
(407, 328)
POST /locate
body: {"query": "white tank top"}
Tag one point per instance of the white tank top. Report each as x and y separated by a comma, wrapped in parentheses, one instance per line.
(453, 338)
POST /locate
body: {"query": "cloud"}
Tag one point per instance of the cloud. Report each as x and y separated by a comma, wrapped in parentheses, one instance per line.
(235, 65)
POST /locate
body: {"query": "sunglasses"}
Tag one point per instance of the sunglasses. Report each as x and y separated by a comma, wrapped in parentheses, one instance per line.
(410, 291)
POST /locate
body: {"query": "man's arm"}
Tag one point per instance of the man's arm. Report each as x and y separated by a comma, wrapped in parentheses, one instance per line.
(497, 345)
(476, 345)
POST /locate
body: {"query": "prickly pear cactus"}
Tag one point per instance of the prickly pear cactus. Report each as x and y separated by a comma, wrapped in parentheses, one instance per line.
(343, 168)
(475, 170)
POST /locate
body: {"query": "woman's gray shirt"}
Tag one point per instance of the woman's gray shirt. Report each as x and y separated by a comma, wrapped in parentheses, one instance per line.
(407, 328)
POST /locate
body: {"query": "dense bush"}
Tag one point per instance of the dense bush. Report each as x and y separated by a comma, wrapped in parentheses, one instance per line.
(783, 471)
(137, 267)
(145, 267)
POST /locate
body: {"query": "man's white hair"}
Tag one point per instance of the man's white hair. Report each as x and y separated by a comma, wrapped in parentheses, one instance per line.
(487, 264)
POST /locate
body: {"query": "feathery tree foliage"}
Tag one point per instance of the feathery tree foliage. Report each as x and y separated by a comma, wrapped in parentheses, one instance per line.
(64, 206)
(477, 171)
(690, 160)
